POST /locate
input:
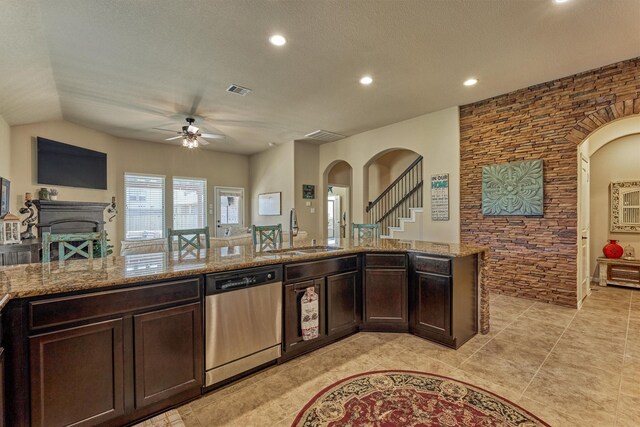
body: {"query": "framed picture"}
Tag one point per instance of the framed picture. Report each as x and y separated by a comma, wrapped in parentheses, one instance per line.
(308, 191)
(269, 204)
(5, 196)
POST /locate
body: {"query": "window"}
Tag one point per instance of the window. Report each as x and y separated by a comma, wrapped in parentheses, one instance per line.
(144, 206)
(189, 203)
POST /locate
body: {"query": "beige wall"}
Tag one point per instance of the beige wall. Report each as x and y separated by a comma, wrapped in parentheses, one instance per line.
(340, 174)
(385, 169)
(273, 171)
(306, 172)
(5, 153)
(124, 155)
(618, 160)
(435, 136)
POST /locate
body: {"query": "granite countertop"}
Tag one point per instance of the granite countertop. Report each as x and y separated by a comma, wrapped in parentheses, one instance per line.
(30, 280)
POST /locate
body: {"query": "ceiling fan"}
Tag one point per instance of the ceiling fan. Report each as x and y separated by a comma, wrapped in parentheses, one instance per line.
(191, 135)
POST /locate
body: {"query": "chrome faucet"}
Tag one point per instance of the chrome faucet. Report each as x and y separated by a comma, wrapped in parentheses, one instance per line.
(293, 226)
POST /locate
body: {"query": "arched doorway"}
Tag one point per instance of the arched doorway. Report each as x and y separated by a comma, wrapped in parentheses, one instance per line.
(393, 186)
(337, 180)
(588, 149)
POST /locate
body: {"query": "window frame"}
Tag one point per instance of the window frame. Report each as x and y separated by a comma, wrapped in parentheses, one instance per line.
(205, 208)
(164, 203)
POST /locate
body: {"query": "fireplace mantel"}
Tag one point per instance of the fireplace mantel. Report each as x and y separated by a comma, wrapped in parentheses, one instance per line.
(70, 217)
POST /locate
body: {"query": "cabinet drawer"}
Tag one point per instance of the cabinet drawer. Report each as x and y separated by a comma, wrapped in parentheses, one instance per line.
(325, 267)
(386, 260)
(435, 265)
(76, 308)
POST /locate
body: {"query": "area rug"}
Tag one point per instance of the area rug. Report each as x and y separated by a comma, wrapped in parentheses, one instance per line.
(408, 398)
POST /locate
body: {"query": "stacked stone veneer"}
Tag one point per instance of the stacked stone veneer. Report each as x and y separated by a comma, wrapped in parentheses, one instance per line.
(536, 257)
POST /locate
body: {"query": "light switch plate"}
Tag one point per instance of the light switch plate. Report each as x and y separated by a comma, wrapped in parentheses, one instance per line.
(307, 203)
(313, 210)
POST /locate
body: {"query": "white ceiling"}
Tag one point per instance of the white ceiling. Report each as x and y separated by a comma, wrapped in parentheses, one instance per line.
(125, 67)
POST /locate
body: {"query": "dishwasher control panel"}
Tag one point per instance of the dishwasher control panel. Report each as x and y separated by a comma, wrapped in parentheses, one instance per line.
(238, 279)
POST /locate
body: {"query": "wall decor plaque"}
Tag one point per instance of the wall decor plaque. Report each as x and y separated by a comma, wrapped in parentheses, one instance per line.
(625, 207)
(513, 189)
(440, 197)
(308, 191)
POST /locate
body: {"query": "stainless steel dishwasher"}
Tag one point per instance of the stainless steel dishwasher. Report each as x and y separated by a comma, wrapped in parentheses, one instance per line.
(243, 321)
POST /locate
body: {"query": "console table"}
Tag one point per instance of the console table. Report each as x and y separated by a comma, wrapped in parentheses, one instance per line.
(26, 252)
(621, 272)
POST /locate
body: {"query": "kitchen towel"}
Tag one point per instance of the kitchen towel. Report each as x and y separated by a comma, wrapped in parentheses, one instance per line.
(309, 314)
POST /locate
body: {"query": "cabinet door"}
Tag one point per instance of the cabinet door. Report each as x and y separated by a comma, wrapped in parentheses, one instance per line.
(343, 308)
(168, 353)
(292, 312)
(2, 400)
(385, 296)
(77, 375)
(432, 308)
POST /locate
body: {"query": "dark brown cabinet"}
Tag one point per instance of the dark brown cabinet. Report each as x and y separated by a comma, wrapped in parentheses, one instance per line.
(292, 316)
(444, 294)
(433, 303)
(337, 282)
(77, 375)
(343, 303)
(106, 358)
(385, 293)
(3, 416)
(168, 352)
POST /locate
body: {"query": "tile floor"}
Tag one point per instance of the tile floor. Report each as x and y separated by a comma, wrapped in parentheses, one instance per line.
(569, 367)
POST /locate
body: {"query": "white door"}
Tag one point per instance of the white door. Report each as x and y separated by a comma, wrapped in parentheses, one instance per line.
(333, 217)
(584, 270)
(229, 211)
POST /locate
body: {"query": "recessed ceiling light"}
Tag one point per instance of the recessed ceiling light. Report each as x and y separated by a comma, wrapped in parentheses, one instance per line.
(470, 82)
(272, 144)
(366, 80)
(560, 1)
(277, 40)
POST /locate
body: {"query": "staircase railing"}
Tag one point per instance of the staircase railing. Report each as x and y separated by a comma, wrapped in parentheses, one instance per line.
(398, 198)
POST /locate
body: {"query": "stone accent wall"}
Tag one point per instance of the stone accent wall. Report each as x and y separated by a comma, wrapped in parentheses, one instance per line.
(536, 257)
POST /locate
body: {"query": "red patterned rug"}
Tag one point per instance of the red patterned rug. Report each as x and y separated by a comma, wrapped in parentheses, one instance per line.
(407, 398)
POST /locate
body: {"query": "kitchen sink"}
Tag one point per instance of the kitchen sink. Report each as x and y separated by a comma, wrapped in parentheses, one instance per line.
(305, 250)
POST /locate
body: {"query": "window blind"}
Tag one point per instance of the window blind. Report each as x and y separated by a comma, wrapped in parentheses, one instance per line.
(144, 206)
(189, 203)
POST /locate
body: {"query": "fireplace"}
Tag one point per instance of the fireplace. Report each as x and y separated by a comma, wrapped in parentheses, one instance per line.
(70, 217)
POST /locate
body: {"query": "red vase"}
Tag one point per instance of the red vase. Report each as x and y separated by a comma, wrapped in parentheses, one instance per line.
(612, 249)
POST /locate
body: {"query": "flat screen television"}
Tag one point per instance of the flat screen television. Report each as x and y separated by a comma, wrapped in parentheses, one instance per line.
(70, 166)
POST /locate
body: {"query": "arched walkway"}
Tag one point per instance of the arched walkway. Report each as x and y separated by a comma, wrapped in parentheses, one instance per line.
(337, 182)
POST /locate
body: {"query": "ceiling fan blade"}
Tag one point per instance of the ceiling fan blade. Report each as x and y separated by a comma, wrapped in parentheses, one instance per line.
(212, 135)
(175, 137)
(166, 130)
(203, 142)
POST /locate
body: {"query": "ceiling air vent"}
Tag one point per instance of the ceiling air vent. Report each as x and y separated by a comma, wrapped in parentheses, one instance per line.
(324, 136)
(242, 91)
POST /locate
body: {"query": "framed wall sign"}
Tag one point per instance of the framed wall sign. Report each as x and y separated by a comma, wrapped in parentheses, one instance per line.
(440, 197)
(308, 191)
(270, 204)
(5, 195)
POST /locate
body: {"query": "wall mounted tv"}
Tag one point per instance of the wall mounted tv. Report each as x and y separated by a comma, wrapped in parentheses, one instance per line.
(70, 166)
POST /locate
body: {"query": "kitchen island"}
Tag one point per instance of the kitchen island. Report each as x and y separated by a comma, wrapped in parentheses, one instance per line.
(142, 313)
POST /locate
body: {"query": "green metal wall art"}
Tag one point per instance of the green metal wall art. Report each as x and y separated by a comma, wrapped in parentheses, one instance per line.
(513, 189)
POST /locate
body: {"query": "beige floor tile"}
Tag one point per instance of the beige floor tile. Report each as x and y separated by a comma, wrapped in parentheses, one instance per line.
(528, 356)
(549, 313)
(503, 372)
(560, 418)
(588, 394)
(582, 350)
(600, 325)
(630, 378)
(633, 339)
(628, 411)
